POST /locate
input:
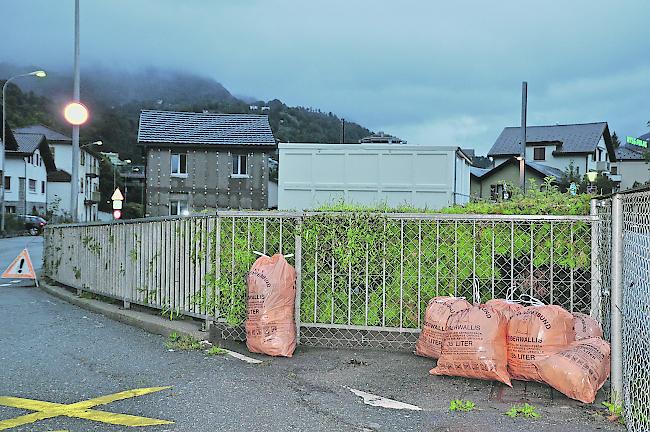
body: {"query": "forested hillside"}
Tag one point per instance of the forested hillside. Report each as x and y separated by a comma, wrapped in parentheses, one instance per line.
(115, 101)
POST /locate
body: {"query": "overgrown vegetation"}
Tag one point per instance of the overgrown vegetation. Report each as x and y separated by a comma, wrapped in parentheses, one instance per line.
(215, 351)
(525, 411)
(184, 342)
(461, 405)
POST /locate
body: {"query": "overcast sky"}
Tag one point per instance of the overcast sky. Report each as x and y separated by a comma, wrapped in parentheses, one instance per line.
(430, 72)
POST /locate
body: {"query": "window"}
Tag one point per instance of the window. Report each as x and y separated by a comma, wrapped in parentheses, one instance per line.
(179, 164)
(177, 207)
(32, 185)
(83, 157)
(239, 166)
(539, 153)
(42, 187)
(11, 209)
(499, 192)
(52, 151)
(7, 183)
(613, 170)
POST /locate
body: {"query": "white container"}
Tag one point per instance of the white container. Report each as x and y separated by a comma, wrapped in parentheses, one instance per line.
(424, 177)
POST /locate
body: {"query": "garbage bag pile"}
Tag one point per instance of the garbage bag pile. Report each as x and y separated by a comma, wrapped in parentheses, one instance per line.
(503, 340)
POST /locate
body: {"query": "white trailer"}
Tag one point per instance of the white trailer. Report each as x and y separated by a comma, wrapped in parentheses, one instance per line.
(420, 176)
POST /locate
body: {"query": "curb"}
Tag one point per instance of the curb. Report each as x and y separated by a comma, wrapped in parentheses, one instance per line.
(147, 322)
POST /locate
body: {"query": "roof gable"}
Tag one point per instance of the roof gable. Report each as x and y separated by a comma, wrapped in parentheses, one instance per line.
(541, 169)
(49, 133)
(575, 138)
(204, 128)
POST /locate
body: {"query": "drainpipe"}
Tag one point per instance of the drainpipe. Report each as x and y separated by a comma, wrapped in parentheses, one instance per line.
(455, 169)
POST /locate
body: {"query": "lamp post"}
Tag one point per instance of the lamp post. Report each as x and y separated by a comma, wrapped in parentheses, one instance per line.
(38, 74)
(126, 162)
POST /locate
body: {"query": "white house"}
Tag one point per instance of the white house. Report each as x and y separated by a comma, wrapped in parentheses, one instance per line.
(632, 164)
(588, 146)
(60, 187)
(420, 176)
(28, 160)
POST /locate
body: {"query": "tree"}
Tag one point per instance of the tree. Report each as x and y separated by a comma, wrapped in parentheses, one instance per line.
(615, 141)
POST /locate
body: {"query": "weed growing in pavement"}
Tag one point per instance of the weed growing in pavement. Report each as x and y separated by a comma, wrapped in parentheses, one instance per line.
(461, 405)
(525, 410)
(214, 351)
(182, 342)
(614, 412)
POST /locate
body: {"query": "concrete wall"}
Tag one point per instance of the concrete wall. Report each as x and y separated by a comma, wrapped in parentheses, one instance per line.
(209, 183)
(632, 171)
(312, 175)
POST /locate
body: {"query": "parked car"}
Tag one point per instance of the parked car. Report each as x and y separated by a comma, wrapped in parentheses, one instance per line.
(34, 224)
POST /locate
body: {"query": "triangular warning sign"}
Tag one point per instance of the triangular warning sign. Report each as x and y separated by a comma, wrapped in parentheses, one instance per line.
(117, 195)
(20, 268)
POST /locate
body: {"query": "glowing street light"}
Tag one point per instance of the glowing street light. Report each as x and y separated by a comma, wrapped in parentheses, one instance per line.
(75, 113)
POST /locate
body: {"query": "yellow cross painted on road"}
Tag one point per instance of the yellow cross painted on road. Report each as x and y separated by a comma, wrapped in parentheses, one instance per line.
(47, 410)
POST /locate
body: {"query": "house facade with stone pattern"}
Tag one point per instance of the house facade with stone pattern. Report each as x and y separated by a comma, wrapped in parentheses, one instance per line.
(205, 161)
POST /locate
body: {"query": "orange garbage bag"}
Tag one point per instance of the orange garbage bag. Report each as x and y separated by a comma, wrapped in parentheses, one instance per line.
(586, 327)
(475, 345)
(506, 307)
(270, 327)
(533, 335)
(579, 370)
(438, 311)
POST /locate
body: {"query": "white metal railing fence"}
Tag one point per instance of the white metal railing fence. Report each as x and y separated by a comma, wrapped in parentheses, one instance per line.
(363, 279)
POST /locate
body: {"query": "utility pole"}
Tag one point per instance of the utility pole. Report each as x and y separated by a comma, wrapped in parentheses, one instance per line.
(74, 192)
(522, 156)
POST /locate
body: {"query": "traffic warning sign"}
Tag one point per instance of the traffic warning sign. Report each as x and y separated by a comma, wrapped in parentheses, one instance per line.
(21, 267)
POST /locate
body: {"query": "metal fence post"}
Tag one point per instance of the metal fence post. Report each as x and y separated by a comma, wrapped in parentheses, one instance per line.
(596, 285)
(617, 299)
(298, 263)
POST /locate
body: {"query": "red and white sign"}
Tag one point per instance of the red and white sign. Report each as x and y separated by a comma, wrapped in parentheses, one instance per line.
(117, 214)
(21, 267)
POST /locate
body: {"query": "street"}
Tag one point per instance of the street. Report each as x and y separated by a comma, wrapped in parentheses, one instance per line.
(51, 351)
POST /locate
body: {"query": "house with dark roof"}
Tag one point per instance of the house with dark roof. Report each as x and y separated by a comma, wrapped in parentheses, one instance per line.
(632, 165)
(59, 188)
(586, 146)
(28, 160)
(201, 161)
(494, 183)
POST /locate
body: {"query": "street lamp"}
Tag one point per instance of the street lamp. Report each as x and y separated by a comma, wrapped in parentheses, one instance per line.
(592, 176)
(75, 113)
(38, 74)
(95, 143)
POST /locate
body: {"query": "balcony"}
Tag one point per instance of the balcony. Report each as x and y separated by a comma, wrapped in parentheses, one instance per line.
(92, 172)
(95, 197)
(602, 166)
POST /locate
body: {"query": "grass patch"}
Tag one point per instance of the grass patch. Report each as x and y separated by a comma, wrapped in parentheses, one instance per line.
(182, 342)
(525, 411)
(614, 412)
(461, 405)
(215, 351)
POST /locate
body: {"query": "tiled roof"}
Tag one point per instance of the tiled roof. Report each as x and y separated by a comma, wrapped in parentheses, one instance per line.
(28, 142)
(575, 138)
(479, 172)
(59, 176)
(50, 134)
(629, 152)
(204, 128)
(546, 170)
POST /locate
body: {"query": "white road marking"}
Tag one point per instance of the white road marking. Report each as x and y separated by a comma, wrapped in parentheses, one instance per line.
(5, 285)
(242, 357)
(378, 401)
(15, 281)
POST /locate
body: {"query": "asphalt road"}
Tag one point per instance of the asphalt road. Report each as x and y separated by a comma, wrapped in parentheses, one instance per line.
(53, 351)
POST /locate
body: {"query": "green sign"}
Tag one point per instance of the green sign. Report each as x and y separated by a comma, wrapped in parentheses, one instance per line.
(637, 142)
